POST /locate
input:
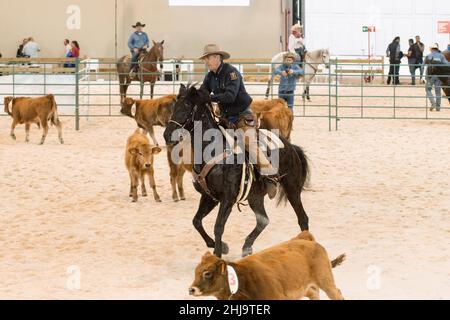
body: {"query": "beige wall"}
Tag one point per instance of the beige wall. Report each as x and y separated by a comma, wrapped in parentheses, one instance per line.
(247, 32)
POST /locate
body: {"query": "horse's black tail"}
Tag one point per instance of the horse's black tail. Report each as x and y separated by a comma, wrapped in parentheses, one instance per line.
(302, 182)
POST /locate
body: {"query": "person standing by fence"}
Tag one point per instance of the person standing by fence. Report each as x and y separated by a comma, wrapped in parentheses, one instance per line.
(289, 72)
(415, 60)
(421, 46)
(434, 58)
(74, 52)
(395, 56)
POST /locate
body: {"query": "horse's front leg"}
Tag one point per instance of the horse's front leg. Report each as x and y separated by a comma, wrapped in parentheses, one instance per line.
(205, 207)
(307, 93)
(219, 228)
(142, 90)
(152, 90)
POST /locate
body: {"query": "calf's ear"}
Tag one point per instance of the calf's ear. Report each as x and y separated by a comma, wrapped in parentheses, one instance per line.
(156, 150)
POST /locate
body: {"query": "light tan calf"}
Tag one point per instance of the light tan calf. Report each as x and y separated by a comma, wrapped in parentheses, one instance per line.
(139, 162)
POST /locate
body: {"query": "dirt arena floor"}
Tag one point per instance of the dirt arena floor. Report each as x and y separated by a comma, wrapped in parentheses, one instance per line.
(380, 192)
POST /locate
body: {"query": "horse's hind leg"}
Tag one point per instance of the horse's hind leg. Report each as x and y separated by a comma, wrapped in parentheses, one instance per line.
(206, 206)
(262, 221)
(141, 94)
(307, 93)
(296, 202)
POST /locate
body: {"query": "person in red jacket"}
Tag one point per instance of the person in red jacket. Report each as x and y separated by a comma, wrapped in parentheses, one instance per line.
(73, 53)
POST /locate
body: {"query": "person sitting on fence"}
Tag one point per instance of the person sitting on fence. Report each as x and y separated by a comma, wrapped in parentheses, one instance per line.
(138, 42)
(31, 49)
(20, 53)
(297, 43)
(67, 47)
(289, 72)
(74, 52)
(437, 58)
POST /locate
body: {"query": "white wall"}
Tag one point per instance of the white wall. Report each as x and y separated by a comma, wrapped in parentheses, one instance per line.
(338, 24)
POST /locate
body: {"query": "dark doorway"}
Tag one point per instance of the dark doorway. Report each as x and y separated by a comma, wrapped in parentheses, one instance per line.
(298, 12)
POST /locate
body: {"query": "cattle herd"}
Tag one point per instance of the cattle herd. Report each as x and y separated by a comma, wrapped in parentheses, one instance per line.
(292, 270)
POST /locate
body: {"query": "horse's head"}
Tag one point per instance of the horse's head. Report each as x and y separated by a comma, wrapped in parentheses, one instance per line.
(191, 106)
(158, 51)
(326, 58)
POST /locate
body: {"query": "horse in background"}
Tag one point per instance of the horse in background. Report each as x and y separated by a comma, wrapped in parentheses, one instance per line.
(443, 72)
(311, 66)
(148, 70)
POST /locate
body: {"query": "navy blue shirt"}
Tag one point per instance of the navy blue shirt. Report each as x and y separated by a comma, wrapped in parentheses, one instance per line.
(229, 90)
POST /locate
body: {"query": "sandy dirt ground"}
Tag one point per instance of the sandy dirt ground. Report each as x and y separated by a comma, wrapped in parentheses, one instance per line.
(380, 192)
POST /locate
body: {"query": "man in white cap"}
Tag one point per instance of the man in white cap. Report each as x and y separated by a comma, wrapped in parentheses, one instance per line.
(137, 43)
(297, 42)
(227, 89)
(437, 58)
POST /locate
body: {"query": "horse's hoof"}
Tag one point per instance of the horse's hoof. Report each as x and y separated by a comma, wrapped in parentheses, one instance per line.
(62, 141)
(158, 200)
(247, 252)
(183, 198)
(13, 136)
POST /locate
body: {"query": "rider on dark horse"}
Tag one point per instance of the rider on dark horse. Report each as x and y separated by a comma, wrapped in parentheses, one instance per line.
(227, 89)
(138, 43)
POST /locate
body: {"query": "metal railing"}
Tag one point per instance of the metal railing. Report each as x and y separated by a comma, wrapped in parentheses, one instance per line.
(90, 88)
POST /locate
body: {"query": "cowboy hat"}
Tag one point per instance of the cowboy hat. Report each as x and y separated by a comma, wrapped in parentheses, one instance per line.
(289, 55)
(214, 49)
(435, 46)
(139, 25)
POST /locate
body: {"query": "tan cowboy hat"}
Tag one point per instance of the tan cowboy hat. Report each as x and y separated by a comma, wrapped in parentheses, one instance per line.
(435, 46)
(296, 27)
(289, 55)
(214, 49)
(138, 24)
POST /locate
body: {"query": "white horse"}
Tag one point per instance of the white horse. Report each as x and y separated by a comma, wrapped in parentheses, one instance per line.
(312, 61)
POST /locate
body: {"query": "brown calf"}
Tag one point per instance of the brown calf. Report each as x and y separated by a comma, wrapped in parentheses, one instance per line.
(274, 114)
(33, 110)
(139, 162)
(292, 270)
(157, 112)
(150, 113)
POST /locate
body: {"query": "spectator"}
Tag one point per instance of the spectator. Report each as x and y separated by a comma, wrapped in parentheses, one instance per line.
(415, 60)
(20, 53)
(31, 49)
(420, 58)
(74, 52)
(448, 47)
(395, 56)
(67, 47)
(289, 72)
(435, 57)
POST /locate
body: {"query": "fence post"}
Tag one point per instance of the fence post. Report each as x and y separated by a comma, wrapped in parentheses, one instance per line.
(336, 97)
(329, 98)
(77, 91)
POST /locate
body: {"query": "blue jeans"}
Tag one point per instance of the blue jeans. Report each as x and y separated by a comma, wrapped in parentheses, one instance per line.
(287, 96)
(134, 60)
(434, 81)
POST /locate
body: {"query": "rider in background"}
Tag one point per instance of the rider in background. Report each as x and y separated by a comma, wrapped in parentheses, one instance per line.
(289, 72)
(138, 42)
(297, 43)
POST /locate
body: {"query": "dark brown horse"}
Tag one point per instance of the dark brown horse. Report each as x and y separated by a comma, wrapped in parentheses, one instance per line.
(148, 70)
